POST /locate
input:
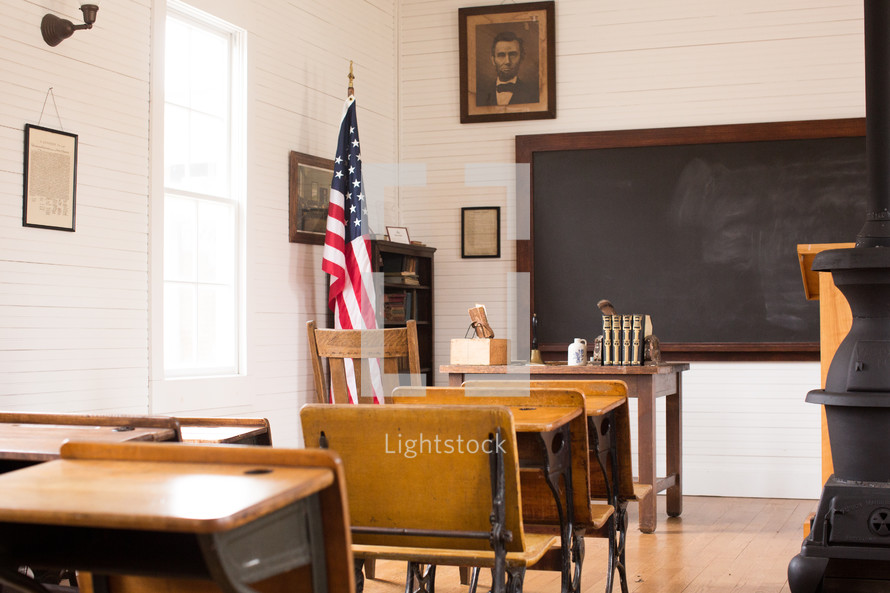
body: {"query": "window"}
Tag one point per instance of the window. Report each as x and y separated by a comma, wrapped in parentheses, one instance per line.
(203, 194)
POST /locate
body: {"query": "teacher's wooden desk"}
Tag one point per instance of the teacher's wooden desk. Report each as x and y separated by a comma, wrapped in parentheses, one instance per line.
(645, 383)
(233, 515)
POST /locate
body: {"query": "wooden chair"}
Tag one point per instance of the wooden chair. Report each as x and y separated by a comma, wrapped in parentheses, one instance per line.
(429, 485)
(611, 468)
(396, 347)
(540, 511)
(332, 508)
(238, 431)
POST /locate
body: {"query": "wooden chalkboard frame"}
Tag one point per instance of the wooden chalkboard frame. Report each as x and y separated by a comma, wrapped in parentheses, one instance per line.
(527, 146)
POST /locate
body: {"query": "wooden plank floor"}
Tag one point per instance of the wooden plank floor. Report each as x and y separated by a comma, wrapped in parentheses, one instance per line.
(718, 545)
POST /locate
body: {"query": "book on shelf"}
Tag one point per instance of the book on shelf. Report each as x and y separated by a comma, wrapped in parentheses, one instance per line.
(402, 278)
(624, 339)
(397, 307)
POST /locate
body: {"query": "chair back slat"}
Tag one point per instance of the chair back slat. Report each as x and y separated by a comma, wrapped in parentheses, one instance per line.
(397, 348)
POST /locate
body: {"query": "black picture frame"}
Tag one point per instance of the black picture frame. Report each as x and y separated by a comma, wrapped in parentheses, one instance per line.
(480, 232)
(49, 187)
(532, 26)
(309, 191)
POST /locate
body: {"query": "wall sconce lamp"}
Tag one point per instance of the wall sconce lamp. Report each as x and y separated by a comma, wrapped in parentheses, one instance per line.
(55, 30)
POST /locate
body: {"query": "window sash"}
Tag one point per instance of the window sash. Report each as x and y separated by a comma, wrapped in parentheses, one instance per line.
(202, 324)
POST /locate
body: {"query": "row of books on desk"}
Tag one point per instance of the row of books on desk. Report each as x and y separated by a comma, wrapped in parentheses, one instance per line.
(624, 339)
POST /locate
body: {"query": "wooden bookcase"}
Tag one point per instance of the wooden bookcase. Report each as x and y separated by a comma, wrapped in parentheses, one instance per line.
(408, 288)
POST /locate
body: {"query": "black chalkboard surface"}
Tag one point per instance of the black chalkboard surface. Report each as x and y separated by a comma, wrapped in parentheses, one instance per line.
(701, 236)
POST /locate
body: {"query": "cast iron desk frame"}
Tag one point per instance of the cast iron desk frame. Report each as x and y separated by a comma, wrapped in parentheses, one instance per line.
(552, 438)
(645, 383)
(601, 411)
(604, 444)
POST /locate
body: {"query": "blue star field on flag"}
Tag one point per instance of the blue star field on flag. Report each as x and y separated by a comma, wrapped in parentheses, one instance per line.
(348, 177)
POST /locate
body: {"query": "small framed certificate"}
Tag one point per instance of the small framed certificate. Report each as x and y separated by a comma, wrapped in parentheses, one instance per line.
(398, 234)
(50, 180)
(480, 232)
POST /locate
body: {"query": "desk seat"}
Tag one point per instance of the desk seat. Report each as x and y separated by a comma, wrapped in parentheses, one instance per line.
(536, 545)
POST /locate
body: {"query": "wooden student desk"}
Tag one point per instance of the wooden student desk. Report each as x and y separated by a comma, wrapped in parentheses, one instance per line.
(646, 384)
(33, 443)
(173, 511)
(545, 443)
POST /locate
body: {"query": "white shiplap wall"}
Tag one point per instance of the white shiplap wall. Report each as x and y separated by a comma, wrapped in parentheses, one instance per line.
(627, 65)
(73, 306)
(75, 322)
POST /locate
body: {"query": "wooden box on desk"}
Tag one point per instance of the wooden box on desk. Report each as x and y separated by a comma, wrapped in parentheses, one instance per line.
(479, 351)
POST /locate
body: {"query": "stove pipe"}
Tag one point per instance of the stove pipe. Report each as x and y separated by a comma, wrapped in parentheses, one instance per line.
(876, 231)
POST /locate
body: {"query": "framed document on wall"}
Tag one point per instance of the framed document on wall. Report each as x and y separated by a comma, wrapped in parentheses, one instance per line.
(480, 232)
(50, 179)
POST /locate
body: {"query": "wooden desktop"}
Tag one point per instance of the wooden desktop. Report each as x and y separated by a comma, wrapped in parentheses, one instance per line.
(227, 515)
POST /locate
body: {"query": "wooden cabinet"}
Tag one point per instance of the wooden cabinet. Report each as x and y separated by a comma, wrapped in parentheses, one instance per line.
(408, 292)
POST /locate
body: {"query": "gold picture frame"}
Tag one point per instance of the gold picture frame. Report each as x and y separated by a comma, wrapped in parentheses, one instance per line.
(309, 191)
(509, 46)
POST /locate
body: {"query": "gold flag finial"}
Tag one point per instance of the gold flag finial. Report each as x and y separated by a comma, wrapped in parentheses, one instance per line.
(351, 91)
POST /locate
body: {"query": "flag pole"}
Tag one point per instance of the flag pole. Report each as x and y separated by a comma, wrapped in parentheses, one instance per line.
(350, 91)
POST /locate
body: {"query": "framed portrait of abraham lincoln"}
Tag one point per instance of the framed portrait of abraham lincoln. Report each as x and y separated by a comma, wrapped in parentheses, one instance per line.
(507, 62)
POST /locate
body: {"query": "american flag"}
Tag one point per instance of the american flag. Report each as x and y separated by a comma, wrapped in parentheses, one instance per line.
(347, 249)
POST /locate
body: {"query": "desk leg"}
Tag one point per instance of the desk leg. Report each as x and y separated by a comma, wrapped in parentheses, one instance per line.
(646, 456)
(455, 379)
(674, 439)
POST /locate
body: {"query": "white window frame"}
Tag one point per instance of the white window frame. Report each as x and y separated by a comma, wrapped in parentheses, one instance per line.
(171, 394)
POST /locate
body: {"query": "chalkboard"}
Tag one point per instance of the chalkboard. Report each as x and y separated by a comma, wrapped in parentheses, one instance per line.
(701, 235)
